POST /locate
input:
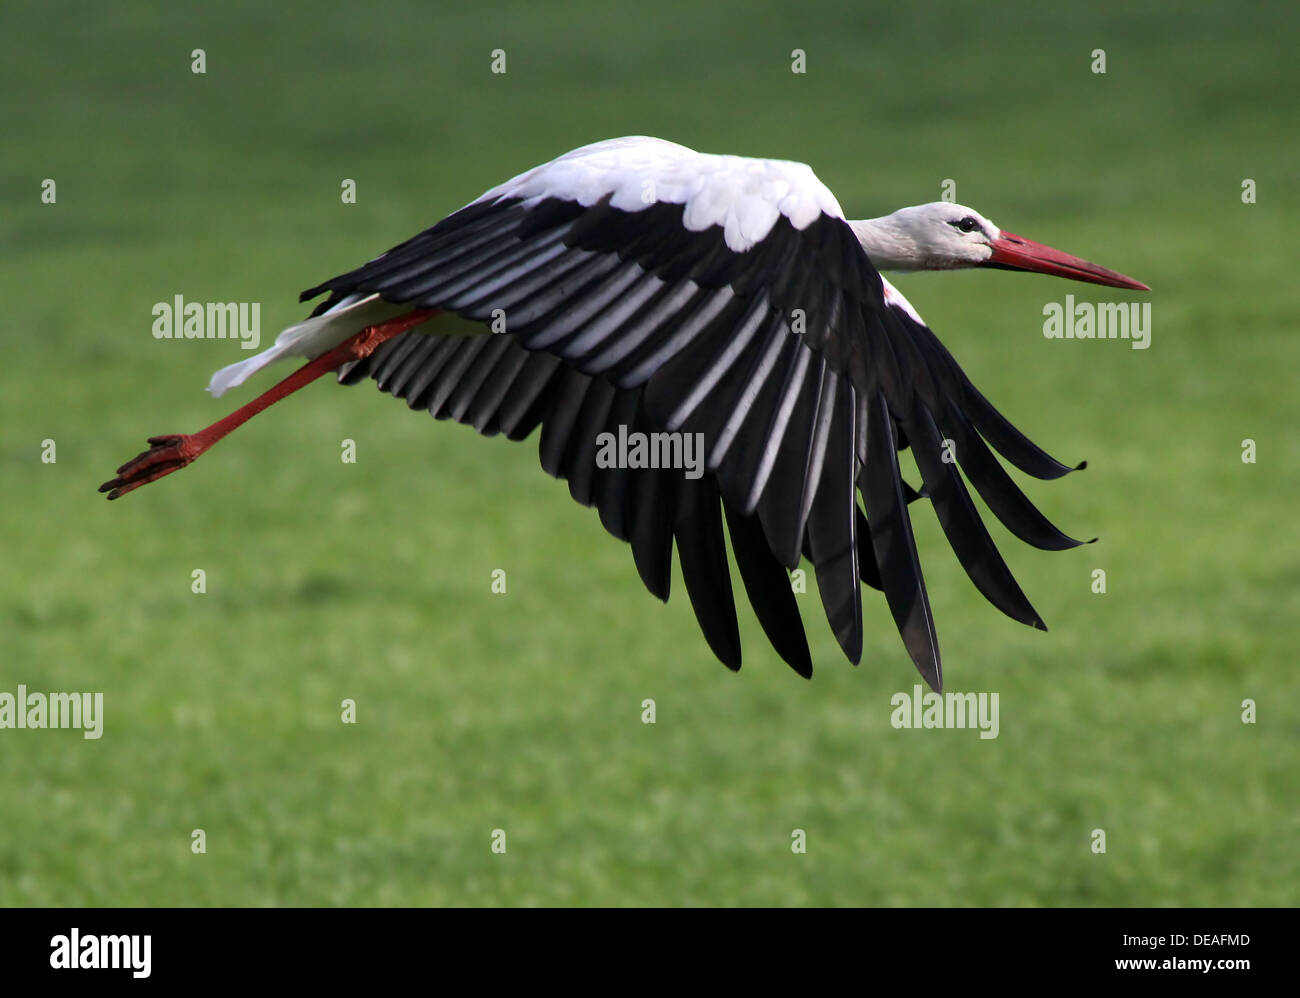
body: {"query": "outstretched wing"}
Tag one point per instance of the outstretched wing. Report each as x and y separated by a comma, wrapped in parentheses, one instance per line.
(645, 286)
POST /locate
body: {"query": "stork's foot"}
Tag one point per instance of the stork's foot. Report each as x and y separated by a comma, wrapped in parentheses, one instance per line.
(168, 454)
(174, 452)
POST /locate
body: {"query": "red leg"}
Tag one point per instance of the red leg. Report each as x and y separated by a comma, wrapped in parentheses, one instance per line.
(171, 453)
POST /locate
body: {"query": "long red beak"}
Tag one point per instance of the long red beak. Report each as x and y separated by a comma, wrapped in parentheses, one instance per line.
(1014, 252)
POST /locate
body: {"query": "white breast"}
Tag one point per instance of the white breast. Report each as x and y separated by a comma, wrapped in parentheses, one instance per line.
(895, 298)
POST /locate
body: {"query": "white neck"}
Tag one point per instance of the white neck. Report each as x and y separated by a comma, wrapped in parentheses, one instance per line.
(889, 244)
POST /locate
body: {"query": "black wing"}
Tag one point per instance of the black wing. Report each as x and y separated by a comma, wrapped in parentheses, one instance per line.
(801, 380)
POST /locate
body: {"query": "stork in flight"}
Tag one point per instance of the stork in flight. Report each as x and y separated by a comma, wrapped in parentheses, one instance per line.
(636, 283)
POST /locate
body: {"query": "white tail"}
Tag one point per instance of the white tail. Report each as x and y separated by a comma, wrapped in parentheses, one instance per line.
(311, 338)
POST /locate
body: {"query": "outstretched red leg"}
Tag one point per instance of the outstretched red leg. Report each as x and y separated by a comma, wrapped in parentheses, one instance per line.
(171, 453)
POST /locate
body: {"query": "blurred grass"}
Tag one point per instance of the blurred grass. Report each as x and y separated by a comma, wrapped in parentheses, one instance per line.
(371, 581)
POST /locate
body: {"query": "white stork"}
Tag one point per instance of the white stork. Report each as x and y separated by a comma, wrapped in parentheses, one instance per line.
(647, 286)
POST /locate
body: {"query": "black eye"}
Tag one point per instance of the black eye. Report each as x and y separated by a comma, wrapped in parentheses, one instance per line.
(968, 224)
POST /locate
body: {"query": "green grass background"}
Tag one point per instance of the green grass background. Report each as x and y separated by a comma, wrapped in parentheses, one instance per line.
(522, 711)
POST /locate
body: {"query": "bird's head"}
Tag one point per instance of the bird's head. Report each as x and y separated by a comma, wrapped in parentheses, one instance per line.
(946, 236)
